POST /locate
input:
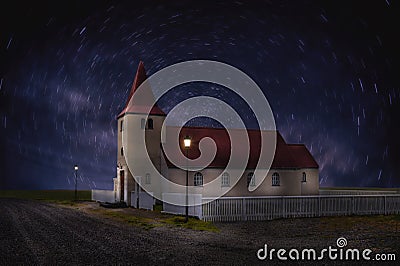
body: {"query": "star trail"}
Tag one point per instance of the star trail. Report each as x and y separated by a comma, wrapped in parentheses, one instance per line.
(327, 69)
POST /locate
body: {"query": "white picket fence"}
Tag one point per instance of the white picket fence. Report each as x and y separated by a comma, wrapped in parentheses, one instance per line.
(103, 195)
(228, 209)
(195, 202)
(268, 208)
(146, 200)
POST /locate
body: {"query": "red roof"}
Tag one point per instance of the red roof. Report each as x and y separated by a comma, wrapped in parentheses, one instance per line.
(140, 77)
(302, 156)
(286, 155)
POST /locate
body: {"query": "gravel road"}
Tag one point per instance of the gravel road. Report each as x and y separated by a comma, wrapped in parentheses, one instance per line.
(34, 232)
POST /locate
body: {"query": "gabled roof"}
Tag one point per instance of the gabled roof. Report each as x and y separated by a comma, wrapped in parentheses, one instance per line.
(286, 155)
(140, 77)
(302, 156)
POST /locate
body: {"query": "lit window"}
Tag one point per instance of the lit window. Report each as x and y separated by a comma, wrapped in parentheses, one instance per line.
(150, 124)
(122, 151)
(142, 123)
(225, 181)
(275, 179)
(304, 177)
(147, 179)
(198, 179)
(122, 125)
(250, 180)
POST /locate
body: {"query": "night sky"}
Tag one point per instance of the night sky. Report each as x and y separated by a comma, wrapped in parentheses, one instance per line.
(328, 70)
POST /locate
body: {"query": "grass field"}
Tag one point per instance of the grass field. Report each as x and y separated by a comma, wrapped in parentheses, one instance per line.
(149, 220)
(60, 196)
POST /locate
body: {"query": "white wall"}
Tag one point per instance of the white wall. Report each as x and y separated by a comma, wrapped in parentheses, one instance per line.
(103, 195)
(146, 200)
(180, 198)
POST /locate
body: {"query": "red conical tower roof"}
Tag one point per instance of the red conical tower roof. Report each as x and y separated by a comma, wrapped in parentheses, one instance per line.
(140, 77)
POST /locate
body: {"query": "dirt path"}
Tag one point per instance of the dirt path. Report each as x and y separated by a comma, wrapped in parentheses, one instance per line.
(33, 232)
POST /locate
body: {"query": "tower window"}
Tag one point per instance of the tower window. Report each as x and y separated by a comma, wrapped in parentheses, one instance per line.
(122, 151)
(250, 180)
(150, 124)
(275, 179)
(304, 177)
(198, 179)
(122, 125)
(147, 179)
(225, 181)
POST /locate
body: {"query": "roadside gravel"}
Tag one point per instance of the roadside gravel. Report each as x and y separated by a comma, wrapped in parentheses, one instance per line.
(38, 233)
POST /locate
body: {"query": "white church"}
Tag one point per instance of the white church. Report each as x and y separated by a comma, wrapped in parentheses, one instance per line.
(293, 172)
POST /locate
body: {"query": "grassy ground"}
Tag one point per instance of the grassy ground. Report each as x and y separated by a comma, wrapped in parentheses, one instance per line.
(56, 196)
(144, 219)
(34, 232)
(382, 223)
(147, 219)
(145, 223)
(193, 223)
(151, 219)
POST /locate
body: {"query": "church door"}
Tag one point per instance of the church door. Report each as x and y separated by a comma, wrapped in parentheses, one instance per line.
(121, 183)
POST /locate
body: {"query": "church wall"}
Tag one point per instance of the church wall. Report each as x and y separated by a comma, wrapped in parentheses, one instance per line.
(290, 179)
(135, 151)
(290, 183)
(311, 186)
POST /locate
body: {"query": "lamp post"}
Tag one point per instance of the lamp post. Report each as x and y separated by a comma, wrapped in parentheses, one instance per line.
(187, 141)
(76, 181)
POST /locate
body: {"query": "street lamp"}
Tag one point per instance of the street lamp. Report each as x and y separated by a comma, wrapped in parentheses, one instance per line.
(76, 181)
(187, 141)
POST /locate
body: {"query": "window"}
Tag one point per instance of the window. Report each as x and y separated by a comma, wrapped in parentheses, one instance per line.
(122, 151)
(250, 180)
(150, 124)
(198, 179)
(122, 125)
(147, 179)
(142, 123)
(275, 179)
(304, 177)
(225, 180)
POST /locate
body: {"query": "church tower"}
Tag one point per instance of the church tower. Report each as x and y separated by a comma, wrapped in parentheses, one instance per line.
(135, 121)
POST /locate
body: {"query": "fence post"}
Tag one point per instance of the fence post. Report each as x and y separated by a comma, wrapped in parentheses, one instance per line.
(384, 202)
(244, 209)
(319, 206)
(353, 203)
(283, 207)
